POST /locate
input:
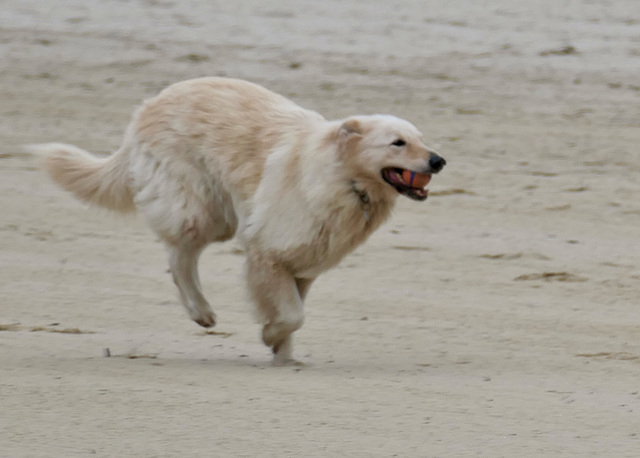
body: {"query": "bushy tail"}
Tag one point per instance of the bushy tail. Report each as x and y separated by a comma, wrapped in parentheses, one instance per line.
(97, 181)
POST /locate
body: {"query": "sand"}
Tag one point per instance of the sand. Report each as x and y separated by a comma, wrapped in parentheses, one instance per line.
(499, 318)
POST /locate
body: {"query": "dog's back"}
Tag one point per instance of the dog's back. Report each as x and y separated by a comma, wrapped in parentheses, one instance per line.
(228, 126)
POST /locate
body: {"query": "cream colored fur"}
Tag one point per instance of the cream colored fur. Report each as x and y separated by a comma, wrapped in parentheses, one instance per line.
(211, 158)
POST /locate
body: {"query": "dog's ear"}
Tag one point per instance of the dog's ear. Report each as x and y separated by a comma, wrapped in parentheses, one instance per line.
(349, 134)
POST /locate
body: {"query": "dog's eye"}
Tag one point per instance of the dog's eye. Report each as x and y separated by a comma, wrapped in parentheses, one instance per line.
(399, 142)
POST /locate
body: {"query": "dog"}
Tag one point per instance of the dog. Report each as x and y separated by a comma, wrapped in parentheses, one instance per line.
(208, 159)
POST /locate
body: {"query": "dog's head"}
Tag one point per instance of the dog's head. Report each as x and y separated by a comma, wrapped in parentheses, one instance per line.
(389, 151)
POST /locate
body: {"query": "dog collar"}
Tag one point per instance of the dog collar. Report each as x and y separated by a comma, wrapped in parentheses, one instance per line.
(365, 202)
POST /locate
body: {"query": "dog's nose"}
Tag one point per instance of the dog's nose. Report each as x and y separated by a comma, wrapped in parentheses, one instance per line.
(436, 163)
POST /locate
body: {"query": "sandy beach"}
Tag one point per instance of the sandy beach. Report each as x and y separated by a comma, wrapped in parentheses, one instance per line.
(500, 318)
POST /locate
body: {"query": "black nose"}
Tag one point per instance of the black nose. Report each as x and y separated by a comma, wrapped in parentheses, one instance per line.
(436, 163)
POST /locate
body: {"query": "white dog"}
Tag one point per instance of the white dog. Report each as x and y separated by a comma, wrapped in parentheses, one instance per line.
(213, 157)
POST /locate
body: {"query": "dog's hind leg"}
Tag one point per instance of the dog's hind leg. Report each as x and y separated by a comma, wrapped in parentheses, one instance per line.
(188, 210)
(183, 262)
(186, 230)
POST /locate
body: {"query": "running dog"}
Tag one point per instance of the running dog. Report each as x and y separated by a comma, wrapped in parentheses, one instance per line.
(211, 158)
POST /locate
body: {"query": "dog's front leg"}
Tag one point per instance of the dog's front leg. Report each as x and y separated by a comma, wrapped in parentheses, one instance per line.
(276, 295)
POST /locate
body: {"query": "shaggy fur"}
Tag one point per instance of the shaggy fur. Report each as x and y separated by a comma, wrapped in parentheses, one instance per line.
(211, 158)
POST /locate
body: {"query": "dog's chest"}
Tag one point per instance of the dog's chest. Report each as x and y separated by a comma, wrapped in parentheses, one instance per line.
(310, 224)
(329, 240)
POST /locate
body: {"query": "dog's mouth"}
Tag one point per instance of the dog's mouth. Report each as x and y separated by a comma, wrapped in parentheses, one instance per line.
(406, 182)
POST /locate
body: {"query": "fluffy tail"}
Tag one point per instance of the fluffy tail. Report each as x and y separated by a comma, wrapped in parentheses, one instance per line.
(97, 181)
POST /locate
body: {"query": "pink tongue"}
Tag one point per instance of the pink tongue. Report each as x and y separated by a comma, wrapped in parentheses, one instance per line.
(414, 179)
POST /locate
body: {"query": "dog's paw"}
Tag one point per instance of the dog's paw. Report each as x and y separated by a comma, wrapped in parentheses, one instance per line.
(206, 320)
(274, 334)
